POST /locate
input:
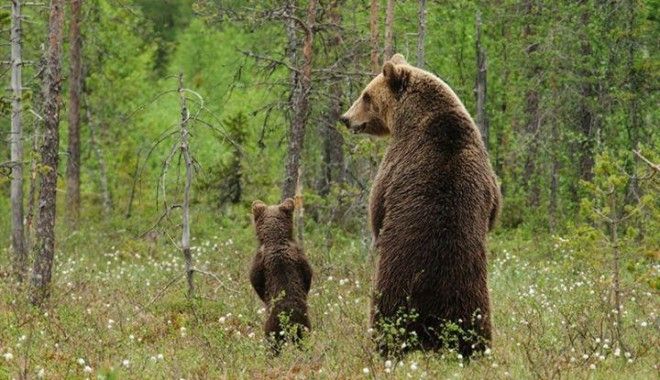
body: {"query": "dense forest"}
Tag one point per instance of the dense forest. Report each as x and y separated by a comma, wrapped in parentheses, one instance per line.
(139, 132)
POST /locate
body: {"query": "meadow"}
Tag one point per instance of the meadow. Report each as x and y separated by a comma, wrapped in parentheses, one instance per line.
(119, 310)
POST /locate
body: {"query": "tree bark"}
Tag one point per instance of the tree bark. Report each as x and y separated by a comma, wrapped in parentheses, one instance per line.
(481, 85)
(633, 124)
(389, 31)
(300, 108)
(75, 85)
(16, 138)
(532, 112)
(333, 153)
(373, 26)
(421, 34)
(44, 248)
(185, 235)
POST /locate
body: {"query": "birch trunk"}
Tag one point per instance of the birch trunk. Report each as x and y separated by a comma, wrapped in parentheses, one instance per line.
(16, 139)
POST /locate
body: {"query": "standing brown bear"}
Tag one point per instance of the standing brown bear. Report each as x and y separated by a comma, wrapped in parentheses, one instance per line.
(280, 274)
(432, 202)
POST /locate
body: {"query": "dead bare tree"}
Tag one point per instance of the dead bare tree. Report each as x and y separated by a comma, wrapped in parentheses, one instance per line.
(481, 84)
(373, 26)
(16, 141)
(299, 102)
(421, 33)
(389, 31)
(44, 249)
(185, 206)
(75, 85)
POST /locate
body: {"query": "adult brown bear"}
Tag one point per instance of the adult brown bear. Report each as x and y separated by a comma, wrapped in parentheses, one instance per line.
(432, 202)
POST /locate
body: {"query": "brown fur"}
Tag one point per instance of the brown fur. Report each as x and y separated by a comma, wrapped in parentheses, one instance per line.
(280, 274)
(432, 202)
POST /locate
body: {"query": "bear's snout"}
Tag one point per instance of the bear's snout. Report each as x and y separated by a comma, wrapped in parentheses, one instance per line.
(345, 120)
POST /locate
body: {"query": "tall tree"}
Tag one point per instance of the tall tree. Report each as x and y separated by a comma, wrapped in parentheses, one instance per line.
(16, 138)
(389, 31)
(75, 85)
(300, 105)
(532, 108)
(481, 85)
(44, 248)
(421, 33)
(373, 27)
(333, 153)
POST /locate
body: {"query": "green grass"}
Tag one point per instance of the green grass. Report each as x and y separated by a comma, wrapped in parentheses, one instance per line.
(116, 309)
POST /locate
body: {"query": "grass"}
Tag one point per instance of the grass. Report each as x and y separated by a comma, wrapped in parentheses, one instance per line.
(119, 310)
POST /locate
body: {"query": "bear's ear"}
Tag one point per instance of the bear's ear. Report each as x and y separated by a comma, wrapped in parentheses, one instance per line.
(258, 208)
(398, 59)
(395, 76)
(287, 205)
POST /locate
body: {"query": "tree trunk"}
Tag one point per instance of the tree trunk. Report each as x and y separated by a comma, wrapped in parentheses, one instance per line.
(481, 85)
(75, 84)
(333, 153)
(300, 108)
(37, 102)
(553, 218)
(532, 112)
(16, 138)
(106, 196)
(185, 235)
(421, 34)
(373, 26)
(389, 31)
(633, 125)
(44, 249)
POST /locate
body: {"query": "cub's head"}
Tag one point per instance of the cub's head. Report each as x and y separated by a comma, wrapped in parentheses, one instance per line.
(273, 224)
(373, 111)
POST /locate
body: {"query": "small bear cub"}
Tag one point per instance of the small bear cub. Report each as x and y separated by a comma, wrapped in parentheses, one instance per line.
(280, 274)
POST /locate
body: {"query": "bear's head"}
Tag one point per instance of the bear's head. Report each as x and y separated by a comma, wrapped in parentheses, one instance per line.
(273, 224)
(373, 111)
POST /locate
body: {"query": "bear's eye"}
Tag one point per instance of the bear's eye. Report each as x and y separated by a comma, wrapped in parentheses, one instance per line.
(366, 97)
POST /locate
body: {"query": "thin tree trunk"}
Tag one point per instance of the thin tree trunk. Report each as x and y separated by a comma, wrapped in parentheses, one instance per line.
(373, 26)
(532, 124)
(75, 84)
(421, 34)
(333, 153)
(389, 31)
(554, 181)
(616, 259)
(16, 138)
(44, 248)
(185, 235)
(34, 154)
(301, 108)
(633, 125)
(481, 85)
(106, 196)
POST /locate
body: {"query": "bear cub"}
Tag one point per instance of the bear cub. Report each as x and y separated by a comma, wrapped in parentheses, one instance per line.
(280, 274)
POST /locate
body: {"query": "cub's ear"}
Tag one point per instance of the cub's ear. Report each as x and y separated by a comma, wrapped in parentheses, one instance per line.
(398, 59)
(287, 205)
(258, 208)
(396, 76)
